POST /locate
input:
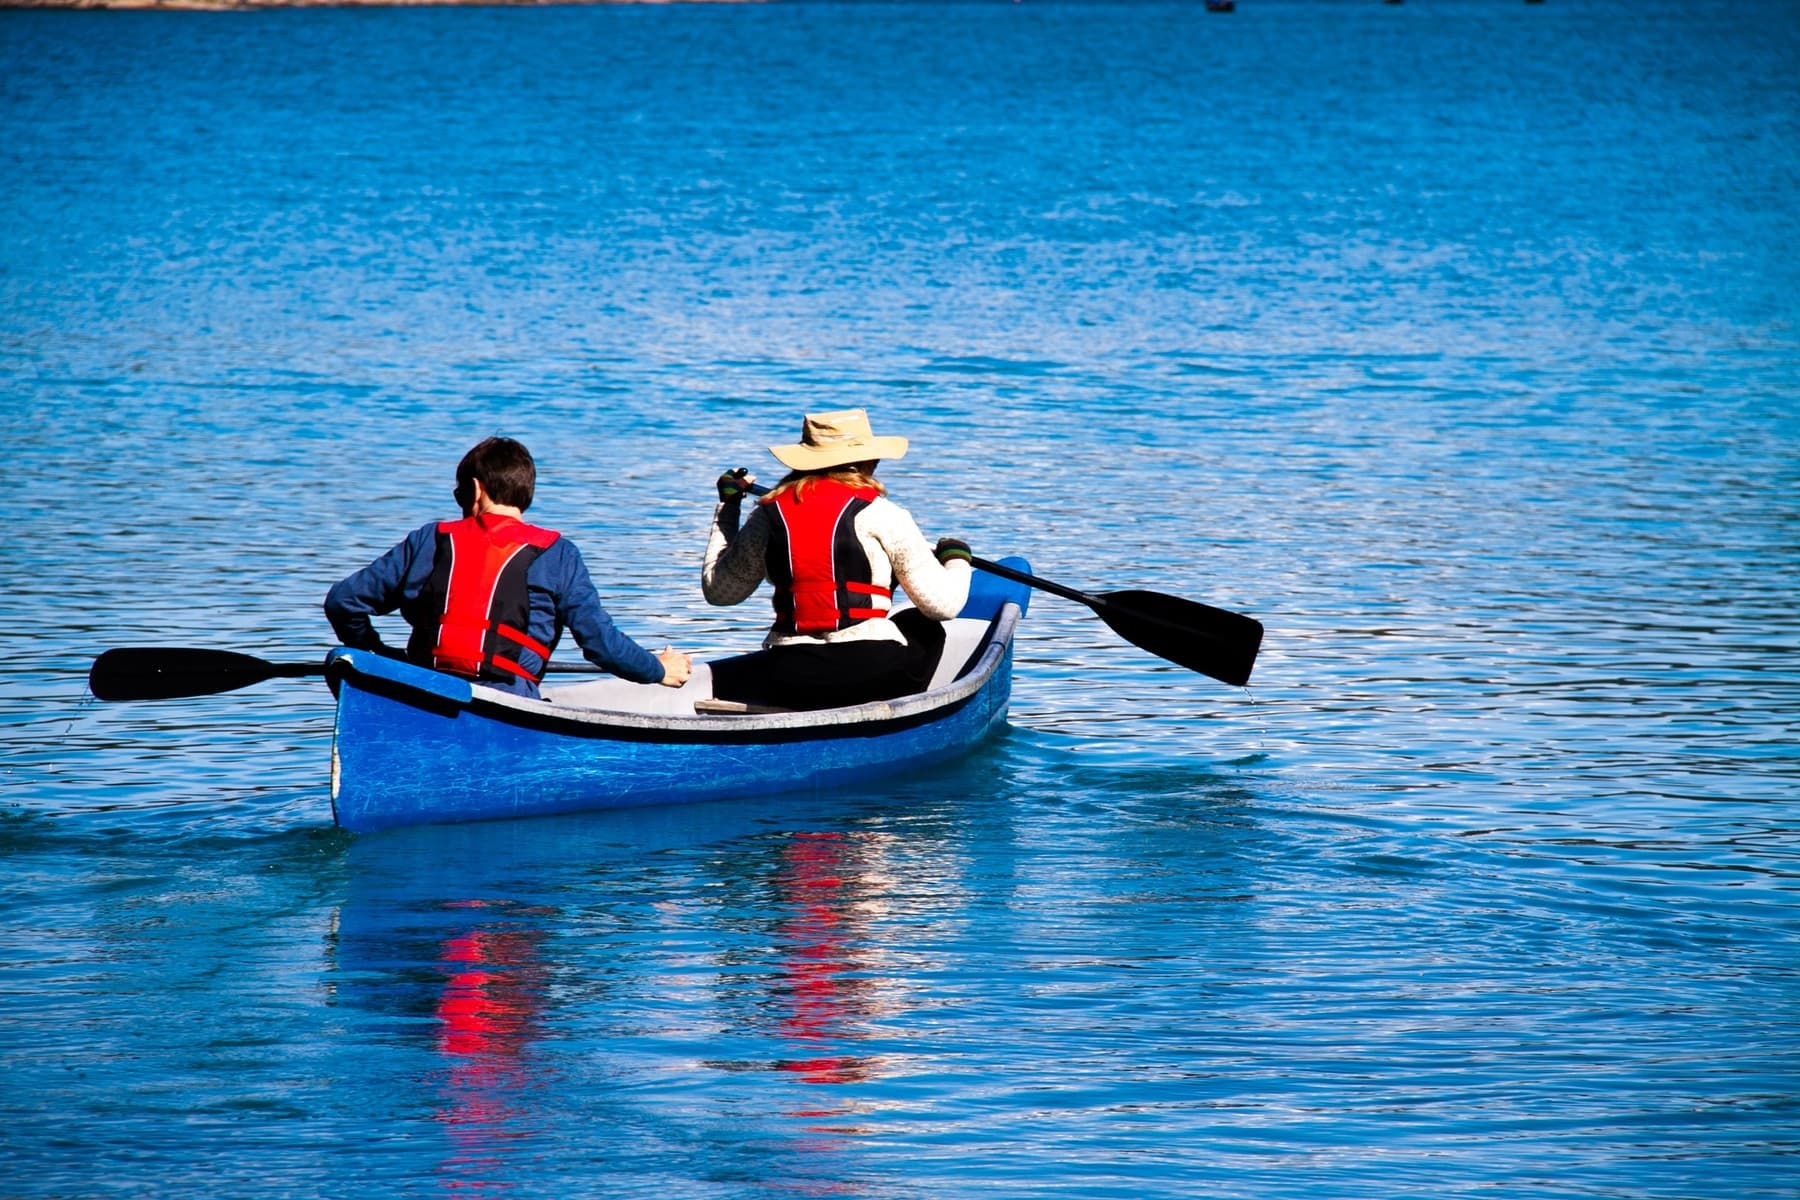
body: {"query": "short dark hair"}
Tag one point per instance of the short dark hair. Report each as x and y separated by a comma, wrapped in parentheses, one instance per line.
(505, 469)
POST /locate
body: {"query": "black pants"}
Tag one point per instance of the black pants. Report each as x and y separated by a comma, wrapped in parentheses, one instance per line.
(837, 674)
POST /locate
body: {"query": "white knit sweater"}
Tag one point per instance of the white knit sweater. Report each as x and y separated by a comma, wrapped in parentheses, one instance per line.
(889, 536)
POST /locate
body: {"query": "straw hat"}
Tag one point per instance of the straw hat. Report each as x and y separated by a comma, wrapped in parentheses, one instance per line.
(833, 439)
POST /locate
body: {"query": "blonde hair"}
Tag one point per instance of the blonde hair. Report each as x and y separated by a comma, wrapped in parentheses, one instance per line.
(800, 482)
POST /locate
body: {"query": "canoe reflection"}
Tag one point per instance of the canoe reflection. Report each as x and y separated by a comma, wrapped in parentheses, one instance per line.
(669, 971)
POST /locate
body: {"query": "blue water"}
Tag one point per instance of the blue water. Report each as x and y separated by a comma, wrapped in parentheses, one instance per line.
(1456, 341)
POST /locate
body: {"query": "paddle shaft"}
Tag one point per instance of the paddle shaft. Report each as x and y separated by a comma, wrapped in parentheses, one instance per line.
(1045, 585)
(276, 670)
(173, 672)
(994, 568)
(296, 670)
(1209, 640)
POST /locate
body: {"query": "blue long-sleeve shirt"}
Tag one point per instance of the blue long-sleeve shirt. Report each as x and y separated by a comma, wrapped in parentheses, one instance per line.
(562, 596)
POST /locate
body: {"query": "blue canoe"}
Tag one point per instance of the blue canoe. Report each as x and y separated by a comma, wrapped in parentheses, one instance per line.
(416, 747)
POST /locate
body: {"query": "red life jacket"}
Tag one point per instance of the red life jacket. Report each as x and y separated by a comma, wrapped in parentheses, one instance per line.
(478, 597)
(821, 574)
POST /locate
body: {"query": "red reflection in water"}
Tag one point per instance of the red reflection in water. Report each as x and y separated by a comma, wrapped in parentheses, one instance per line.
(487, 1017)
(491, 998)
(820, 945)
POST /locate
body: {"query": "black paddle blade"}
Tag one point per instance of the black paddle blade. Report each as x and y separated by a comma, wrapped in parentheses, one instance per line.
(166, 672)
(1197, 636)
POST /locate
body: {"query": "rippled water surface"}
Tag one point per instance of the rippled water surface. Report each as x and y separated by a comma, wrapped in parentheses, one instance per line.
(1455, 341)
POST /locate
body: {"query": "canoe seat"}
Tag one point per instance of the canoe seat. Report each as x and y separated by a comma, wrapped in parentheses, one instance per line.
(962, 638)
(735, 706)
(645, 699)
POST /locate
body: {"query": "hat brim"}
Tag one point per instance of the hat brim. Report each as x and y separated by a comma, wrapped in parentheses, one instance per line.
(801, 457)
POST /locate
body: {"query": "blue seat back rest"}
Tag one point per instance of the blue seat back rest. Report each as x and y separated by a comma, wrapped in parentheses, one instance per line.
(988, 592)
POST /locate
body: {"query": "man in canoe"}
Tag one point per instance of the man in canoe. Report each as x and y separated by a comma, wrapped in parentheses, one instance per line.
(833, 545)
(488, 596)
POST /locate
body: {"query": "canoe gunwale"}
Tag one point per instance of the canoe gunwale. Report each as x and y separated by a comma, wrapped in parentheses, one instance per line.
(863, 720)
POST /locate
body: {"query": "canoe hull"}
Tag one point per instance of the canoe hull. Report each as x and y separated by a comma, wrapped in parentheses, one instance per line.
(406, 765)
(417, 747)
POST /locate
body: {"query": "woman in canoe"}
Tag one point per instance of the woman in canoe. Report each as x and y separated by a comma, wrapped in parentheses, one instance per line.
(833, 546)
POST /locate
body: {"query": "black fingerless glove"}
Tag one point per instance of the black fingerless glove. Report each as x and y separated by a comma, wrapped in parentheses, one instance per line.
(949, 548)
(734, 484)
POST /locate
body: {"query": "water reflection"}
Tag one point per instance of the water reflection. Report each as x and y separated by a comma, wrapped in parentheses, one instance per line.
(820, 987)
(708, 969)
(461, 985)
(487, 1013)
(442, 965)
